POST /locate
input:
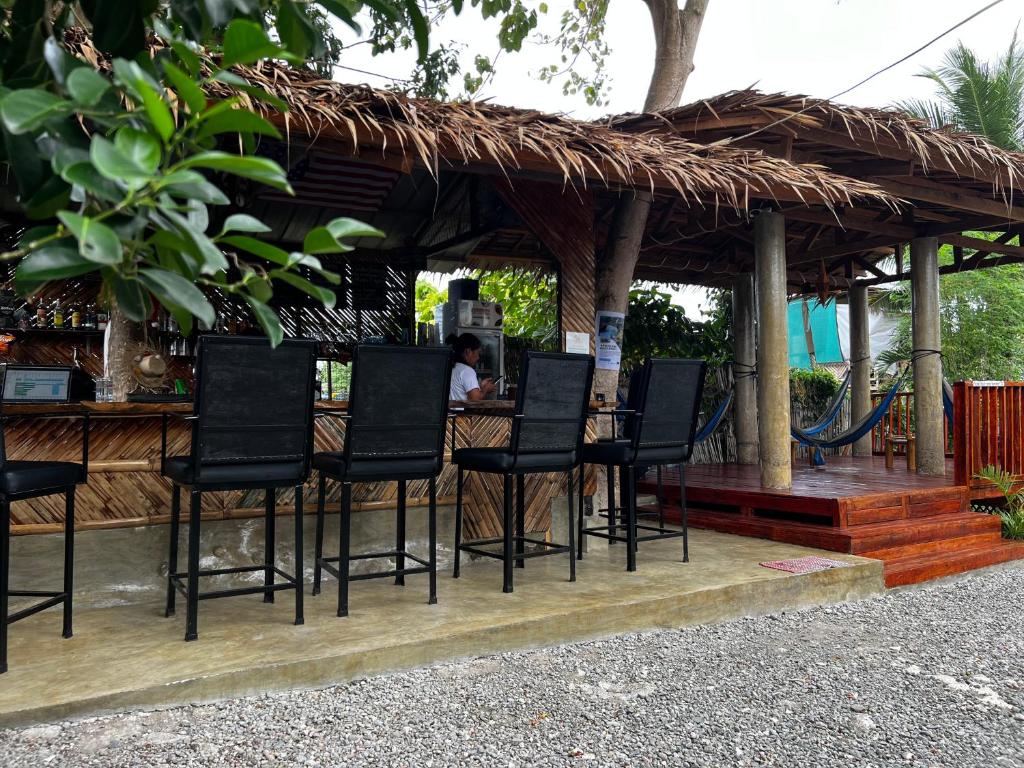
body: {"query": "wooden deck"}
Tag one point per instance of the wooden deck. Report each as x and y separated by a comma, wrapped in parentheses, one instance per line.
(920, 527)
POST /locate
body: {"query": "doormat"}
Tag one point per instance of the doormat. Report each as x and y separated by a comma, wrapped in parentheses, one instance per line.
(805, 564)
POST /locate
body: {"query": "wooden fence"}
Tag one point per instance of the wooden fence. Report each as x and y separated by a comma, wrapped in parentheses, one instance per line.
(899, 422)
(989, 430)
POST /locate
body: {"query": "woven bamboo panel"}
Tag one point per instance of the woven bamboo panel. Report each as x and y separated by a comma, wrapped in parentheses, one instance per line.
(563, 219)
(125, 487)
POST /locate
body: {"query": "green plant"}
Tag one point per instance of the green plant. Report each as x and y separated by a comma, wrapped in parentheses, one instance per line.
(1012, 513)
(529, 300)
(428, 296)
(812, 389)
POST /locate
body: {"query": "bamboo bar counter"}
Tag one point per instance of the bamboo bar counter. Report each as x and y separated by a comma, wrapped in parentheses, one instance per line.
(125, 488)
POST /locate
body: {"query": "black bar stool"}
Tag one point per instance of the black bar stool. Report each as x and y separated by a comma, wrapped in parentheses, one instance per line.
(25, 480)
(660, 425)
(252, 428)
(547, 432)
(398, 406)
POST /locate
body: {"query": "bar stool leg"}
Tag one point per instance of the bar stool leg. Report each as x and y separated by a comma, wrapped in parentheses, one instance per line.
(520, 519)
(5, 559)
(192, 598)
(610, 475)
(682, 507)
(572, 525)
(269, 545)
(661, 500)
(579, 517)
(318, 552)
(343, 553)
(400, 536)
(458, 524)
(629, 503)
(299, 617)
(507, 534)
(69, 557)
(432, 536)
(172, 557)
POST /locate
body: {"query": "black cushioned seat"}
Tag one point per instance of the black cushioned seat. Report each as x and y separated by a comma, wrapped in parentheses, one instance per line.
(26, 480)
(395, 431)
(503, 460)
(660, 425)
(180, 469)
(33, 477)
(252, 428)
(334, 464)
(547, 432)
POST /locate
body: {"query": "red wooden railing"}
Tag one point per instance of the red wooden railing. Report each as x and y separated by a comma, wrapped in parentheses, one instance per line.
(898, 422)
(989, 429)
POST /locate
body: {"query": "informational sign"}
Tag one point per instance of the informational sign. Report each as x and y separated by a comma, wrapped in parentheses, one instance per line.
(577, 343)
(608, 333)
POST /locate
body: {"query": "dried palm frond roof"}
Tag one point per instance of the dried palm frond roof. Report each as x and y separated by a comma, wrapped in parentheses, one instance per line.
(887, 133)
(514, 141)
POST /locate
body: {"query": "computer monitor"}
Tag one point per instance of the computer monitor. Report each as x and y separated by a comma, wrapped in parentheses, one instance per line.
(36, 384)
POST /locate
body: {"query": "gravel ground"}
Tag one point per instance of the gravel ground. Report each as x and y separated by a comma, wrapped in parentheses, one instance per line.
(927, 677)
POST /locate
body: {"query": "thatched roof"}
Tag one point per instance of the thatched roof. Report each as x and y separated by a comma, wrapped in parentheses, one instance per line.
(480, 136)
(888, 133)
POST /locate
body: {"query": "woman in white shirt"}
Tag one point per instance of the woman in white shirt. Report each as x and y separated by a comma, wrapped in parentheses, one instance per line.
(465, 385)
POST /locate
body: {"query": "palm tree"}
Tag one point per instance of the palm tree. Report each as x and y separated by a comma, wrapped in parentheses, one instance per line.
(986, 98)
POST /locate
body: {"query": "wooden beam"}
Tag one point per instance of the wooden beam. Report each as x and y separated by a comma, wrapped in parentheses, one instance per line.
(985, 246)
(913, 188)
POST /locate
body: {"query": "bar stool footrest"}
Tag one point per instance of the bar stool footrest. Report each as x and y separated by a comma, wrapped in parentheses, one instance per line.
(547, 548)
(326, 564)
(53, 598)
(180, 581)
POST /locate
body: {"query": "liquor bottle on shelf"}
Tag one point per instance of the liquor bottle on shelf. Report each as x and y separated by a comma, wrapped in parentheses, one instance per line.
(76, 318)
(89, 318)
(58, 315)
(101, 319)
(40, 313)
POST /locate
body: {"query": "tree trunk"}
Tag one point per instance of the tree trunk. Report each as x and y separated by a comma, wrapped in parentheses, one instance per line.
(675, 39)
(118, 346)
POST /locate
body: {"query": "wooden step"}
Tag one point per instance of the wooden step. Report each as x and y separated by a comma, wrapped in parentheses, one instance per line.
(955, 544)
(913, 570)
(898, 533)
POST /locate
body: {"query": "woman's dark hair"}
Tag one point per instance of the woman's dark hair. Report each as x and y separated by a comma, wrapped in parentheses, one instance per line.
(461, 343)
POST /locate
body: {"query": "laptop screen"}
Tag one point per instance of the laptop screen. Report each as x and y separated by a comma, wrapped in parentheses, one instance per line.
(36, 384)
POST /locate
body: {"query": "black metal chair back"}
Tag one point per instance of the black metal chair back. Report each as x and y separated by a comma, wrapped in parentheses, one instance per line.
(398, 403)
(254, 402)
(670, 405)
(552, 403)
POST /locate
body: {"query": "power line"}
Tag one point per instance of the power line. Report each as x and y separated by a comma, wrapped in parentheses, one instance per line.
(870, 77)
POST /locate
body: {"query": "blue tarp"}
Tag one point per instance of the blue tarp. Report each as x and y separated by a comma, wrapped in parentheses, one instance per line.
(824, 332)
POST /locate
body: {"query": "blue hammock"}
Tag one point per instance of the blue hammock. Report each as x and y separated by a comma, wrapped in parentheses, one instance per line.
(832, 412)
(947, 401)
(716, 418)
(855, 432)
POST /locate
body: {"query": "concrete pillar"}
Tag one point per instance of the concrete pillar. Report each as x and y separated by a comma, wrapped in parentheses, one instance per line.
(860, 364)
(773, 419)
(924, 280)
(744, 353)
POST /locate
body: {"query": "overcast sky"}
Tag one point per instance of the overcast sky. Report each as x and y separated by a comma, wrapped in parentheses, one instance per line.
(815, 47)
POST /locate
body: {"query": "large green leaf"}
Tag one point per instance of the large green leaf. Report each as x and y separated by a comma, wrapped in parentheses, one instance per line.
(243, 85)
(144, 88)
(172, 288)
(261, 249)
(27, 109)
(51, 197)
(87, 86)
(52, 262)
(192, 184)
(246, 42)
(115, 164)
(268, 320)
(139, 147)
(236, 121)
(299, 35)
(186, 88)
(243, 222)
(211, 259)
(86, 176)
(257, 168)
(327, 239)
(131, 299)
(96, 241)
(324, 295)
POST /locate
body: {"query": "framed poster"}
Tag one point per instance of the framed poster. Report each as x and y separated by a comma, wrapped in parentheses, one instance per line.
(608, 333)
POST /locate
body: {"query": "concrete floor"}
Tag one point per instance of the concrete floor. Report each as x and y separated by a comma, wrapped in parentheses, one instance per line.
(129, 656)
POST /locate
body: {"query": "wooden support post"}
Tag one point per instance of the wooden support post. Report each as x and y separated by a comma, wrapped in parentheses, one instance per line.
(744, 368)
(924, 278)
(773, 419)
(860, 364)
